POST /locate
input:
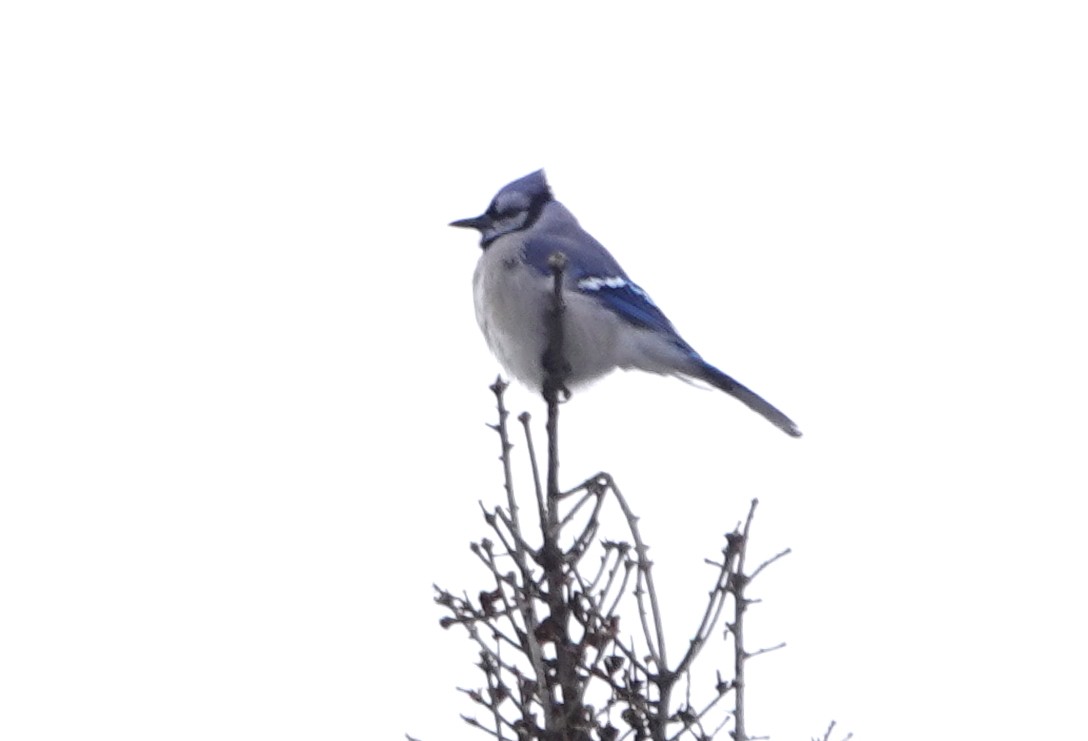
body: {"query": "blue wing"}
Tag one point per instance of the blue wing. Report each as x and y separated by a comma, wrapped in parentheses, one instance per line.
(621, 296)
(585, 255)
(594, 272)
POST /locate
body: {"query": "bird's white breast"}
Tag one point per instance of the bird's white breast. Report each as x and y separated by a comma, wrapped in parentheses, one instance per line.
(512, 302)
(509, 299)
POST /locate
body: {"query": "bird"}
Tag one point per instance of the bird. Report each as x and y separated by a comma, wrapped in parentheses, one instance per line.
(609, 322)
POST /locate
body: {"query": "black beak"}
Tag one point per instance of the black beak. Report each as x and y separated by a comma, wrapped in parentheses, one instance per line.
(478, 223)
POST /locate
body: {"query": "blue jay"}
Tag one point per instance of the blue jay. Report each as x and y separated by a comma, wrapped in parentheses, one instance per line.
(609, 321)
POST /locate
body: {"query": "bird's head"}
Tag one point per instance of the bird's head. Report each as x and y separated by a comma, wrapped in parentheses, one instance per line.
(513, 208)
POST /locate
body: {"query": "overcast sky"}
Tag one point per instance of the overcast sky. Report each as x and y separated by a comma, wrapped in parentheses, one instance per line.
(243, 395)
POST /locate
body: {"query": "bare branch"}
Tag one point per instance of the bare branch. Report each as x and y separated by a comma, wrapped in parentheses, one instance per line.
(767, 650)
(768, 562)
(827, 734)
(738, 583)
(525, 418)
(645, 568)
(519, 549)
(556, 665)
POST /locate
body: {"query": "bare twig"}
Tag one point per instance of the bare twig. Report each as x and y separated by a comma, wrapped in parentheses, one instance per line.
(739, 582)
(525, 418)
(827, 734)
(768, 562)
(556, 370)
(514, 544)
(766, 650)
(645, 566)
(712, 613)
(519, 550)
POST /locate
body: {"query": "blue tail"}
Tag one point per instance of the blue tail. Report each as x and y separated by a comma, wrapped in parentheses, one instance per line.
(750, 398)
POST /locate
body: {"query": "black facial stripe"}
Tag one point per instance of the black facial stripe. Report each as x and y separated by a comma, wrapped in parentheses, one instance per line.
(532, 213)
(536, 207)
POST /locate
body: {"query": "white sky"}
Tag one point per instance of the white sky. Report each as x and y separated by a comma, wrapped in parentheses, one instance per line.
(243, 395)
